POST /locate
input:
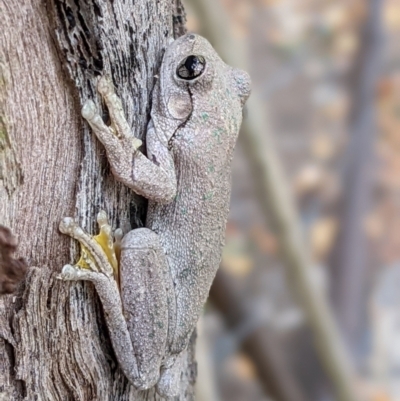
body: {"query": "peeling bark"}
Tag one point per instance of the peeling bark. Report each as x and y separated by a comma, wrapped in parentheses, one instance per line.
(12, 271)
(53, 340)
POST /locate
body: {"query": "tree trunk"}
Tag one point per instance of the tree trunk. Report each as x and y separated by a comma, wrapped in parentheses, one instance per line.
(53, 339)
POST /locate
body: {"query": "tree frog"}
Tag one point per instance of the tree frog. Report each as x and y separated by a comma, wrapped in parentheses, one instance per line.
(154, 281)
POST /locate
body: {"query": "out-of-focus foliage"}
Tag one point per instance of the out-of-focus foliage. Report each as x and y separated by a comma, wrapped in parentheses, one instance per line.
(302, 56)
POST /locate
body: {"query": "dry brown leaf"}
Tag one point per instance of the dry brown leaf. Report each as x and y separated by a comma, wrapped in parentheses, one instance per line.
(308, 179)
(322, 147)
(391, 15)
(266, 241)
(237, 265)
(385, 87)
(345, 44)
(375, 226)
(322, 236)
(336, 16)
(235, 259)
(381, 395)
(242, 366)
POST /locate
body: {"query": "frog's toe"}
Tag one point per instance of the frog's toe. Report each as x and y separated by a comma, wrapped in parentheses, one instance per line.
(89, 110)
(74, 273)
(67, 225)
(105, 86)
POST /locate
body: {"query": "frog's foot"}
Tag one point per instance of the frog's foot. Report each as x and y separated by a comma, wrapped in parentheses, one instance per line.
(117, 116)
(118, 139)
(119, 131)
(99, 254)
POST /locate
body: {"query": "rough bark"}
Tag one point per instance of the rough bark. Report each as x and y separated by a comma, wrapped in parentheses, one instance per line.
(53, 339)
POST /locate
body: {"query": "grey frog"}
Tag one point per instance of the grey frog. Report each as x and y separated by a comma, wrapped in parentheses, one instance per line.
(153, 300)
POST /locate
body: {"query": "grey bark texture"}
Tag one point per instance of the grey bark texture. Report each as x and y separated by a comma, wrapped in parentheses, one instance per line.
(53, 339)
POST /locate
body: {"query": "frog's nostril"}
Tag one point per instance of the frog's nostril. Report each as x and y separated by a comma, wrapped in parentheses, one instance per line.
(192, 37)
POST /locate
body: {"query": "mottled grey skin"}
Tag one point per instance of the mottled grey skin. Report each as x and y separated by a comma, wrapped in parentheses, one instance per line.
(167, 268)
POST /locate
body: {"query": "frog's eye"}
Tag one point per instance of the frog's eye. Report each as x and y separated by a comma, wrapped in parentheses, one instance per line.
(191, 67)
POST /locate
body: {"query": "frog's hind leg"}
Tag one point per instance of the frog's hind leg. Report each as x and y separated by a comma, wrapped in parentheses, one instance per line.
(146, 292)
(137, 318)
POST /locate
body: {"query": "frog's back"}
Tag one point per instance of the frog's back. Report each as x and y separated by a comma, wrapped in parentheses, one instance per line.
(191, 231)
(192, 227)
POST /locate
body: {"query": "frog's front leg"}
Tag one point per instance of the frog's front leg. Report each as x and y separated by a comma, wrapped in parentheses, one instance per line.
(137, 318)
(154, 179)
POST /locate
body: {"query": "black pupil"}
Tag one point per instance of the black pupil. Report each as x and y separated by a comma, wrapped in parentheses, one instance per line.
(191, 67)
(192, 64)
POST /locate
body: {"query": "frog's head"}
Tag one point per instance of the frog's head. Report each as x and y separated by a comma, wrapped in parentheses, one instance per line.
(192, 70)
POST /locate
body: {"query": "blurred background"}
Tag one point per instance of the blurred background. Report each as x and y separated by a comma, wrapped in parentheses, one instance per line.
(306, 304)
